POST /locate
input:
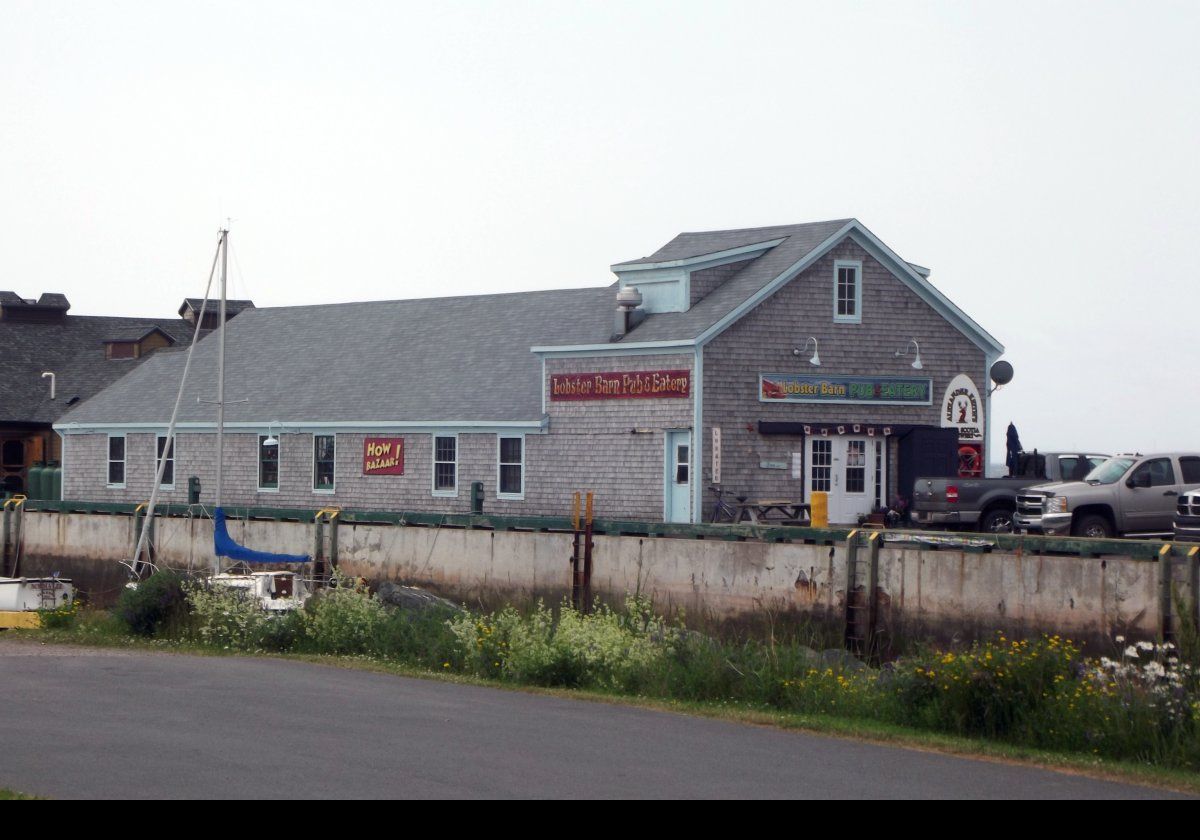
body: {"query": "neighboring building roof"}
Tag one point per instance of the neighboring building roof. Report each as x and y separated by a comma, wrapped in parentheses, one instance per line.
(135, 332)
(232, 307)
(436, 360)
(73, 348)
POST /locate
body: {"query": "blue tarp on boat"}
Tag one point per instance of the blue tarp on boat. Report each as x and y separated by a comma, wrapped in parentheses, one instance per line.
(224, 546)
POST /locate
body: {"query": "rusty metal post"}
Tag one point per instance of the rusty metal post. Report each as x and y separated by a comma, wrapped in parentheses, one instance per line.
(1193, 560)
(576, 566)
(587, 557)
(873, 543)
(1165, 611)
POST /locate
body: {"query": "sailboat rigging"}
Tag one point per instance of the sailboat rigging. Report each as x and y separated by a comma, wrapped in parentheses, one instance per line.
(223, 544)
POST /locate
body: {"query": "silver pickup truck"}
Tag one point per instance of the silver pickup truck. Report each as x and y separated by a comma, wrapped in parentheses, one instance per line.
(1127, 494)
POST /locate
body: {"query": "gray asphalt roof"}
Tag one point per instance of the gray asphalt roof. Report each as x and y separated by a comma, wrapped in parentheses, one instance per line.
(799, 241)
(74, 349)
(438, 360)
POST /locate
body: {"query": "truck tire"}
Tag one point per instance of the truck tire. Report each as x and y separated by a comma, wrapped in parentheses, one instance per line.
(1093, 525)
(996, 521)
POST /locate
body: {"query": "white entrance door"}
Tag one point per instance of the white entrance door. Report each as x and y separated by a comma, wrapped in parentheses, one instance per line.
(850, 470)
(678, 477)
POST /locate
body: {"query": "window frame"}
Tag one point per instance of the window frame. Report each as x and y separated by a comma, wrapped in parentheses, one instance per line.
(838, 265)
(500, 464)
(266, 488)
(124, 462)
(444, 493)
(332, 488)
(174, 459)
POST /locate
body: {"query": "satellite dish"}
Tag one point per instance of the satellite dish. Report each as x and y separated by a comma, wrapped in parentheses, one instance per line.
(1002, 373)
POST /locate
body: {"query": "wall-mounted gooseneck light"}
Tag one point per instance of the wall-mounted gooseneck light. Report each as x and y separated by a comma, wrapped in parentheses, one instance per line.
(916, 363)
(815, 361)
(271, 439)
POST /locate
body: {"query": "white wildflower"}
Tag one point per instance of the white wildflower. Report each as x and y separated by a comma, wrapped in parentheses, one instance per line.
(1131, 652)
(1146, 646)
(1120, 640)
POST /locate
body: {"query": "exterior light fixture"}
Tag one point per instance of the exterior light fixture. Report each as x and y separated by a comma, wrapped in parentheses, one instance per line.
(912, 342)
(271, 439)
(815, 361)
(50, 375)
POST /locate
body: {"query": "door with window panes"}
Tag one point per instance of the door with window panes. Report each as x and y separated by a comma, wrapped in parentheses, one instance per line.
(851, 470)
(678, 507)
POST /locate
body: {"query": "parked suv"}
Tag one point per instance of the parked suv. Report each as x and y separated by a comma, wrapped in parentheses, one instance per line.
(1127, 494)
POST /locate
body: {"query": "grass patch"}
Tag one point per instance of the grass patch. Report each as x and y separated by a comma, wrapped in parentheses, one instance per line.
(7, 795)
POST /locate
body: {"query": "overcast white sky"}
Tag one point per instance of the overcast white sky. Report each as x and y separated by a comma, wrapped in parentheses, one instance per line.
(1042, 158)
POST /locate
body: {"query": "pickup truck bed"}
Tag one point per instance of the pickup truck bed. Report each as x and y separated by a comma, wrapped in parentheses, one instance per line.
(987, 504)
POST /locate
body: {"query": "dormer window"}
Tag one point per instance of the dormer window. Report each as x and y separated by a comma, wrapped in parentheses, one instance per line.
(847, 292)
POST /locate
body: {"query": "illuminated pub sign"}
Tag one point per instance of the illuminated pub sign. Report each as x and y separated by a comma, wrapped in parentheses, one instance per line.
(626, 385)
(885, 390)
(383, 456)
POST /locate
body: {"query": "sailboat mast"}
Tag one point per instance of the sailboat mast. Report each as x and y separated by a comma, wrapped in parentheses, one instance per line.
(221, 363)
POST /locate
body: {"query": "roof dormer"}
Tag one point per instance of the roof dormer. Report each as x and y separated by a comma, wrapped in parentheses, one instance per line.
(672, 280)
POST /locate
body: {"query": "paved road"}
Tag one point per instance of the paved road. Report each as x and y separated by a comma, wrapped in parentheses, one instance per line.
(93, 723)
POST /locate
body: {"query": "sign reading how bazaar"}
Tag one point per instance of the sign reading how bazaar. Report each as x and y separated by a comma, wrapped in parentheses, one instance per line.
(383, 456)
(962, 409)
(806, 388)
(634, 384)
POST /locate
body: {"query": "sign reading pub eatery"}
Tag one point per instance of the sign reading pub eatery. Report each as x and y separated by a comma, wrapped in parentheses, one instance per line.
(792, 387)
(620, 385)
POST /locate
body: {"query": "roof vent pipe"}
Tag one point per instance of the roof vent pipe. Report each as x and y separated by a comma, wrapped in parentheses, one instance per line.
(628, 314)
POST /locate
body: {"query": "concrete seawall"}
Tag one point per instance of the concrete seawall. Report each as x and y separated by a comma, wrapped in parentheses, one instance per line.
(945, 593)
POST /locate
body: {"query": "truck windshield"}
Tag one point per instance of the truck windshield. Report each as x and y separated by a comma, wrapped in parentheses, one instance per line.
(1110, 471)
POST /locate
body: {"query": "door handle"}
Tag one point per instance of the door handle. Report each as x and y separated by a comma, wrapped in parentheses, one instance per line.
(1170, 493)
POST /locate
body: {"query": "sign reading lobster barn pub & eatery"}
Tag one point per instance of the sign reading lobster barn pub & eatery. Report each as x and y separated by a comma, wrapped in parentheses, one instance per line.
(635, 384)
(883, 390)
(383, 456)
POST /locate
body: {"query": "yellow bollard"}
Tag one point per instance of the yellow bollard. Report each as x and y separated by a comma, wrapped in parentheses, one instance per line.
(819, 509)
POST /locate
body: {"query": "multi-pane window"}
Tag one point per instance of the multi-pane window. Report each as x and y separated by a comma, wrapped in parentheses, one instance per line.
(512, 466)
(821, 469)
(445, 465)
(268, 463)
(116, 461)
(168, 471)
(856, 466)
(323, 463)
(847, 292)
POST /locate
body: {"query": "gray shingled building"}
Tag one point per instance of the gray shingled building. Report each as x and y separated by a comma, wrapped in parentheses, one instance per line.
(772, 361)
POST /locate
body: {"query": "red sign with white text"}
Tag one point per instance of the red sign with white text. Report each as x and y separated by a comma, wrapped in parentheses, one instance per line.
(383, 456)
(623, 385)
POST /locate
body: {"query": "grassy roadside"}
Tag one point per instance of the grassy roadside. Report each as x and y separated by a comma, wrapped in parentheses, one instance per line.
(7, 795)
(870, 731)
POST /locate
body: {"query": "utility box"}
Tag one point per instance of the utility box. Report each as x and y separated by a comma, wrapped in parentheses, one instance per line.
(194, 490)
(476, 497)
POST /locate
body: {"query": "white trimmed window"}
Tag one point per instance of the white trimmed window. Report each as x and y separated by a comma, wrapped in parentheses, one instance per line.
(510, 480)
(116, 460)
(168, 476)
(847, 292)
(324, 461)
(268, 464)
(445, 465)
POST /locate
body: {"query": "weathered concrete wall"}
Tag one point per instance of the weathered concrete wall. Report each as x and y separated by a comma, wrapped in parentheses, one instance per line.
(943, 593)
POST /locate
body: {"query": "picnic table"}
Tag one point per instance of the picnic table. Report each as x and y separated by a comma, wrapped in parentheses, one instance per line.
(774, 511)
